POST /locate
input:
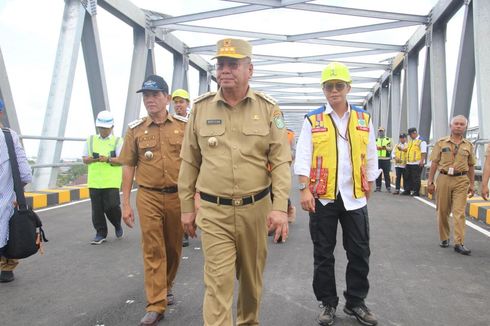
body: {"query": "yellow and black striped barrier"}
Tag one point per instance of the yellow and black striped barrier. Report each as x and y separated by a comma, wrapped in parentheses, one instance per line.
(51, 197)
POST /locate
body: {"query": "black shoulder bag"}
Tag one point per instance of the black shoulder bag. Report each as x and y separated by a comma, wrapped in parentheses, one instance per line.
(25, 227)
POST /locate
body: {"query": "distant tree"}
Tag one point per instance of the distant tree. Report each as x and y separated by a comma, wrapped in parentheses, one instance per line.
(72, 174)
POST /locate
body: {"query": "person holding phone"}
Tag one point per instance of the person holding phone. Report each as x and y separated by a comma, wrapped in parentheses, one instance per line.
(101, 154)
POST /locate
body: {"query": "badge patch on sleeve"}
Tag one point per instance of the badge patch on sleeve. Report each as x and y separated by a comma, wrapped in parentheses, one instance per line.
(279, 122)
(278, 119)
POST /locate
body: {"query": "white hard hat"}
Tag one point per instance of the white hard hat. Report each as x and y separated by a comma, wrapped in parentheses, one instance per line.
(104, 120)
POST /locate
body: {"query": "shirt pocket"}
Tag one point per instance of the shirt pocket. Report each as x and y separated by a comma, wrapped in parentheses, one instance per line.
(255, 138)
(211, 138)
(147, 143)
(175, 144)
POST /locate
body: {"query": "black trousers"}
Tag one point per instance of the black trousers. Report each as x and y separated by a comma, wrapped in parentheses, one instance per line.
(400, 175)
(412, 178)
(105, 202)
(385, 165)
(355, 232)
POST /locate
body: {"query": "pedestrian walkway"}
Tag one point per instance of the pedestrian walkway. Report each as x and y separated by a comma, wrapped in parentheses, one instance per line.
(413, 280)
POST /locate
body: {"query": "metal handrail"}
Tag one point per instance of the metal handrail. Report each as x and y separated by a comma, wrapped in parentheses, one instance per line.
(51, 138)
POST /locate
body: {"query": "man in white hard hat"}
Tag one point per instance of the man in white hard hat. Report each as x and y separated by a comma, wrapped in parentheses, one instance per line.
(101, 154)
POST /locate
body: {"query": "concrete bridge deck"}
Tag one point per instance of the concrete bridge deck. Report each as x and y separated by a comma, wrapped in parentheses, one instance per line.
(413, 280)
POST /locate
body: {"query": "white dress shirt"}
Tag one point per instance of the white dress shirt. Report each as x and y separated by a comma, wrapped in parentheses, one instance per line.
(304, 152)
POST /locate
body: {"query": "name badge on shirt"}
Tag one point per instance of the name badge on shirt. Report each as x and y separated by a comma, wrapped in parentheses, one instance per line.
(362, 128)
(213, 122)
(318, 129)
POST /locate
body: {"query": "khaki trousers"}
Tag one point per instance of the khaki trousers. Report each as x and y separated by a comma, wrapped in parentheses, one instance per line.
(234, 241)
(161, 238)
(451, 196)
(8, 265)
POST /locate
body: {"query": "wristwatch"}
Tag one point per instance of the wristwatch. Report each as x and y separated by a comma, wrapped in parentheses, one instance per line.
(302, 186)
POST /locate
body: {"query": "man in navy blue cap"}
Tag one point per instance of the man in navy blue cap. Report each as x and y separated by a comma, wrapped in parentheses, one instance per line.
(7, 194)
(151, 152)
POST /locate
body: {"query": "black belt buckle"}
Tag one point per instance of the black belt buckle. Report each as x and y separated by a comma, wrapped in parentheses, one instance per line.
(237, 201)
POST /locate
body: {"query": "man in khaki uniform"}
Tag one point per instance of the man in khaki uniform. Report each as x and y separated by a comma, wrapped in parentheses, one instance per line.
(151, 151)
(231, 137)
(453, 157)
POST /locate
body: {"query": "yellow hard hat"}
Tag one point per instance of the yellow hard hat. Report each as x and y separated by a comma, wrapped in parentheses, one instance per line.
(336, 71)
(181, 93)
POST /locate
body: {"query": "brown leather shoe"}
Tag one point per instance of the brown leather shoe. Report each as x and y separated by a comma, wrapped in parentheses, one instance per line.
(151, 318)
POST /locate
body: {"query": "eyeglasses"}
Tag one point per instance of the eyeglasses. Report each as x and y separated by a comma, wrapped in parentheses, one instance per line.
(340, 86)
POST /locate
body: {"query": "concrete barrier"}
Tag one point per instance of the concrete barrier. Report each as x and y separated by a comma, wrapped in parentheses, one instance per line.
(51, 197)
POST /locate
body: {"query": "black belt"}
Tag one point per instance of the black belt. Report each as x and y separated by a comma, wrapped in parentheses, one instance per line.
(167, 190)
(238, 201)
(454, 174)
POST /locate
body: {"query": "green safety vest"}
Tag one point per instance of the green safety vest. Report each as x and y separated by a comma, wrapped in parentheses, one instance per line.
(103, 175)
(383, 142)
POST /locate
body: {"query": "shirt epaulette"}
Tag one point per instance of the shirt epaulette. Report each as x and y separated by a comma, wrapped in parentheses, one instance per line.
(315, 111)
(266, 97)
(204, 96)
(180, 118)
(136, 123)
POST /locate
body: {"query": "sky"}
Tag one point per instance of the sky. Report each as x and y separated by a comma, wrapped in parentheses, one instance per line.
(29, 31)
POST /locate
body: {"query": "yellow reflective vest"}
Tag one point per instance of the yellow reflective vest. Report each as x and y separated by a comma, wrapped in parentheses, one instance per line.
(102, 175)
(414, 152)
(385, 141)
(400, 156)
(324, 165)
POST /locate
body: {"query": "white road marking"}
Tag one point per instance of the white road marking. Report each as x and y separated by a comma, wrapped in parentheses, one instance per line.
(470, 224)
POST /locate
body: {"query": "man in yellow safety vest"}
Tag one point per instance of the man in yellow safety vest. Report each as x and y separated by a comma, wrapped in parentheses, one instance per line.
(336, 164)
(101, 154)
(384, 147)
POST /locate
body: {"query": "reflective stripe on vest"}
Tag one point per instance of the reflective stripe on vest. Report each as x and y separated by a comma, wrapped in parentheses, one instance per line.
(414, 152)
(102, 175)
(324, 164)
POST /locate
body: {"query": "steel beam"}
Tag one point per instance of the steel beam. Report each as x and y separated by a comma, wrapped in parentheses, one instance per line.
(481, 23)
(137, 76)
(403, 110)
(204, 82)
(207, 15)
(425, 101)
(376, 109)
(465, 69)
(343, 43)
(411, 86)
(94, 67)
(438, 80)
(348, 11)
(395, 107)
(384, 106)
(127, 12)
(60, 93)
(10, 115)
(181, 67)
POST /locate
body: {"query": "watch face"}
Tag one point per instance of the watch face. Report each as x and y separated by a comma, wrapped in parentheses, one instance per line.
(302, 186)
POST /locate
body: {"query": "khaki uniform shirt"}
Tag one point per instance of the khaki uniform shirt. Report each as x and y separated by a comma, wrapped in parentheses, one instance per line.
(447, 154)
(163, 141)
(235, 151)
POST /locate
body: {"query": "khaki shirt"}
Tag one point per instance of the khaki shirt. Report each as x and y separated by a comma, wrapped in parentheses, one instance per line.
(164, 142)
(235, 151)
(447, 154)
